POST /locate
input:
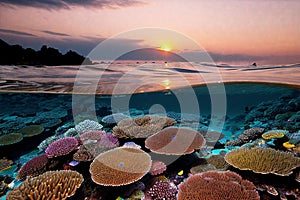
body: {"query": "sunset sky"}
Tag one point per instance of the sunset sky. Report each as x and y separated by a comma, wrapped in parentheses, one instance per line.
(231, 30)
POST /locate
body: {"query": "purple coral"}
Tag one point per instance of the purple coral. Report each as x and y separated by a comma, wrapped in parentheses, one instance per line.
(61, 147)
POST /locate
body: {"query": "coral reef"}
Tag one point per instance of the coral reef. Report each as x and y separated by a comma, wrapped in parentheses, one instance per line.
(5, 164)
(120, 166)
(273, 134)
(263, 160)
(157, 167)
(61, 147)
(87, 125)
(49, 185)
(141, 127)
(247, 136)
(10, 138)
(161, 190)
(31, 130)
(175, 141)
(202, 168)
(218, 186)
(45, 143)
(33, 167)
(94, 143)
(218, 162)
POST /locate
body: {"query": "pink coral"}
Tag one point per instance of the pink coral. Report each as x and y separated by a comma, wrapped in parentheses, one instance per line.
(33, 167)
(157, 167)
(61, 147)
(161, 190)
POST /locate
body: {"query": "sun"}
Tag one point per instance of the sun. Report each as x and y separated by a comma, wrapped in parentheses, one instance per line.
(165, 48)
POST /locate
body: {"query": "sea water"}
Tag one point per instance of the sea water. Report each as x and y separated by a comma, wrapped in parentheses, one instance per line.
(241, 97)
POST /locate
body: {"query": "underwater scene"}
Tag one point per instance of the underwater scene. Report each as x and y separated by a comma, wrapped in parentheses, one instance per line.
(238, 140)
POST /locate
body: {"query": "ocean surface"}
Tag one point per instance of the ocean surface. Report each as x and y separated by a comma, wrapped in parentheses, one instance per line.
(222, 102)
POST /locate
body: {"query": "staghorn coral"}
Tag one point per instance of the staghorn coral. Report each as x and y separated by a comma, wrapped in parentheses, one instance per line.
(263, 160)
(273, 134)
(49, 185)
(218, 186)
(33, 167)
(61, 147)
(157, 167)
(5, 164)
(247, 136)
(120, 166)
(161, 190)
(94, 143)
(87, 125)
(175, 141)
(31, 130)
(114, 118)
(141, 127)
(10, 138)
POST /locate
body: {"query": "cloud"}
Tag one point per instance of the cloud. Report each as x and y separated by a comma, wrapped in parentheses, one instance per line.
(55, 33)
(66, 4)
(7, 31)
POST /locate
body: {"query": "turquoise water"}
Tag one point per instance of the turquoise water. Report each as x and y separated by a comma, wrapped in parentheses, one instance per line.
(230, 109)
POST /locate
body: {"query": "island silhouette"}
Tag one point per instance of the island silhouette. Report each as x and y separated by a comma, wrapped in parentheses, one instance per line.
(17, 55)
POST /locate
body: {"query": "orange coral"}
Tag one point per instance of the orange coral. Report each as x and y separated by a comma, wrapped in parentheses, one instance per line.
(50, 185)
(175, 141)
(120, 166)
(218, 186)
(274, 134)
(5, 164)
(141, 127)
(263, 160)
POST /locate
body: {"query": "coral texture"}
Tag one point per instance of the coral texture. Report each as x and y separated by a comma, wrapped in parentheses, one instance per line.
(49, 185)
(263, 160)
(157, 167)
(218, 186)
(120, 166)
(175, 141)
(45, 143)
(61, 147)
(218, 161)
(10, 138)
(247, 136)
(94, 143)
(141, 127)
(5, 164)
(161, 190)
(87, 125)
(33, 167)
(31, 130)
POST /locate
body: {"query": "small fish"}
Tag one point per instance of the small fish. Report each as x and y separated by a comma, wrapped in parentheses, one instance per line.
(73, 163)
(180, 173)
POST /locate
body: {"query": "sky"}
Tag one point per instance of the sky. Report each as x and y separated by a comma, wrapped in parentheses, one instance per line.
(229, 30)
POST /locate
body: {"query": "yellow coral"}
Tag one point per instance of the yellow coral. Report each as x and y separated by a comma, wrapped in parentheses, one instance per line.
(274, 134)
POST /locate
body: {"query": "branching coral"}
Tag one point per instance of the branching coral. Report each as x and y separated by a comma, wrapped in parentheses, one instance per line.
(5, 164)
(263, 160)
(218, 186)
(157, 167)
(247, 136)
(161, 190)
(87, 125)
(141, 127)
(175, 141)
(49, 185)
(120, 166)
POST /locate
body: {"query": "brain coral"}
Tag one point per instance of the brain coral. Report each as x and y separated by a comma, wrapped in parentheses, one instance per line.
(49, 185)
(61, 147)
(141, 127)
(218, 186)
(175, 141)
(274, 134)
(10, 138)
(33, 167)
(120, 166)
(31, 130)
(263, 160)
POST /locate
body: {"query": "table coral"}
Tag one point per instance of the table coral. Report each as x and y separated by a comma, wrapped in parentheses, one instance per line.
(10, 138)
(61, 147)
